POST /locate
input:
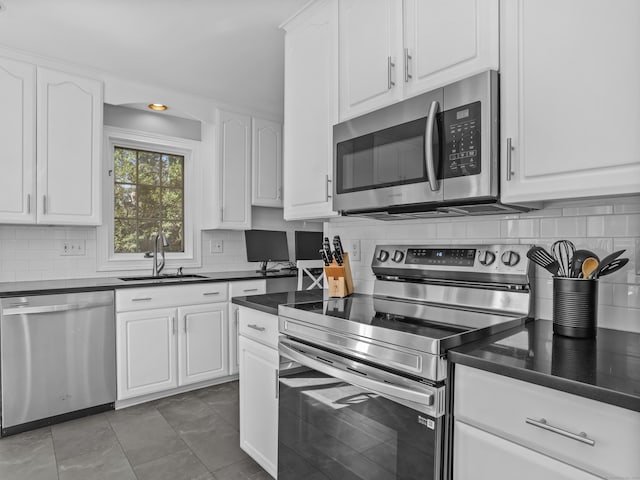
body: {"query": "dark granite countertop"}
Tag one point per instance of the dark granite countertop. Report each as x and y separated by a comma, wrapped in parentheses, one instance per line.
(269, 303)
(48, 287)
(606, 368)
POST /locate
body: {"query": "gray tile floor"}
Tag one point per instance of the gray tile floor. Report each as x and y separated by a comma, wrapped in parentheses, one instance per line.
(191, 436)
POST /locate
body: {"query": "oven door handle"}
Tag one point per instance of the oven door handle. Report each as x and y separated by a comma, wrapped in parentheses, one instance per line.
(313, 358)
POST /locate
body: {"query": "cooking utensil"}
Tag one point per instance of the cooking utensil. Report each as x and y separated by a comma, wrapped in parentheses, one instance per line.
(541, 257)
(609, 268)
(612, 256)
(589, 266)
(578, 259)
(337, 249)
(563, 251)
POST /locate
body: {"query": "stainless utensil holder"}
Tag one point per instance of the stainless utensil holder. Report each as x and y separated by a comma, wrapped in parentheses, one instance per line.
(575, 307)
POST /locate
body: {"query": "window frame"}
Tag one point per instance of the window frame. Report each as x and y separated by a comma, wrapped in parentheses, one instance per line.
(190, 149)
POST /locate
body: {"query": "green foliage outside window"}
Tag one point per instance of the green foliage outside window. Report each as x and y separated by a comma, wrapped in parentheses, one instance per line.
(148, 197)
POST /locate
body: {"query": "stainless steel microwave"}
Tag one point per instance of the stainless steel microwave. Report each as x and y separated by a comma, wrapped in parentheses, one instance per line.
(435, 154)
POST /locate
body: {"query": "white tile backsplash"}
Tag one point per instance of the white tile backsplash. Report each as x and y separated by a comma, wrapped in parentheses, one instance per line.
(602, 226)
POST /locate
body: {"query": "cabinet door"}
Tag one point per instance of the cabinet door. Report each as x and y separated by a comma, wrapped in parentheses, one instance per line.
(482, 456)
(259, 403)
(17, 142)
(266, 163)
(370, 36)
(146, 352)
(309, 112)
(569, 99)
(235, 170)
(447, 41)
(202, 343)
(69, 148)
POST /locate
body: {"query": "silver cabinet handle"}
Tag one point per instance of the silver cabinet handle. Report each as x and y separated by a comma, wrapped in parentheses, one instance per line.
(210, 293)
(407, 59)
(141, 299)
(44, 204)
(428, 146)
(250, 290)
(256, 327)
(174, 324)
(28, 203)
(277, 381)
(510, 172)
(185, 323)
(390, 66)
(542, 423)
(327, 191)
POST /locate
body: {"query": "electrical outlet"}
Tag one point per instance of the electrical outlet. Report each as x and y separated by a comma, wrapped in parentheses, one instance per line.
(216, 246)
(73, 248)
(354, 253)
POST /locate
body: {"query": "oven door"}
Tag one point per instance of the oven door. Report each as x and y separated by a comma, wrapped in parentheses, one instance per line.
(389, 157)
(339, 418)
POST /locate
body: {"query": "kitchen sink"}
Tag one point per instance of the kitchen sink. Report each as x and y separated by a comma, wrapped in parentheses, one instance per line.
(163, 277)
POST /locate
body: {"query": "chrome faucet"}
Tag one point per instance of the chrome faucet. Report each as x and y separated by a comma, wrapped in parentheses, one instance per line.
(157, 267)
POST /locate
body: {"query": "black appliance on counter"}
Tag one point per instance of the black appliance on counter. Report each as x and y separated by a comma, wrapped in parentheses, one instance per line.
(370, 398)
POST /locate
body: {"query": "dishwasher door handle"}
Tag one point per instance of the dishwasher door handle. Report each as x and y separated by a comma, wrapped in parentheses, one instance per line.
(65, 307)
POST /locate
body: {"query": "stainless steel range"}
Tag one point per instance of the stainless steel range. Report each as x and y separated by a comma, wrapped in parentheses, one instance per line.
(370, 398)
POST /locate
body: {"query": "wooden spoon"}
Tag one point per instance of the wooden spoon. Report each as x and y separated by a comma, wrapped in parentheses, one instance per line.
(589, 266)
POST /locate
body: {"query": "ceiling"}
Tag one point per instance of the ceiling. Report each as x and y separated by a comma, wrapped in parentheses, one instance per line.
(226, 50)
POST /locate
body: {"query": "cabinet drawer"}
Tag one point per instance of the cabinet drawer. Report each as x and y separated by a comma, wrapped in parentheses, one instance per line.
(260, 326)
(247, 287)
(170, 296)
(508, 407)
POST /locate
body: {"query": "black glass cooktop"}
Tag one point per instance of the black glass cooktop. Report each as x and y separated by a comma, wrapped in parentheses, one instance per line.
(408, 317)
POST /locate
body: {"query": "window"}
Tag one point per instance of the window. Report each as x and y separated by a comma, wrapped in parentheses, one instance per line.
(148, 197)
(150, 183)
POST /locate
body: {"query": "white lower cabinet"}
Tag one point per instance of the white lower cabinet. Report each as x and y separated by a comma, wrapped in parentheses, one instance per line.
(180, 344)
(240, 289)
(146, 347)
(480, 455)
(507, 428)
(259, 367)
(202, 342)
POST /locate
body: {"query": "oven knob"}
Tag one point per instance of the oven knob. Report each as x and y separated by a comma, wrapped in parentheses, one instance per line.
(383, 255)
(398, 256)
(510, 258)
(486, 258)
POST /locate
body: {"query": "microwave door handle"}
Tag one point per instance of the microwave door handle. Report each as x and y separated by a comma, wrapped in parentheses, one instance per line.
(428, 146)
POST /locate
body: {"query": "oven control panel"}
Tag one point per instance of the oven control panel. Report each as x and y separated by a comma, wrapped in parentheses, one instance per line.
(497, 259)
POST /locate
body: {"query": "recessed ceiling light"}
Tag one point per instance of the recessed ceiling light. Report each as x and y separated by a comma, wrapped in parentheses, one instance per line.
(159, 107)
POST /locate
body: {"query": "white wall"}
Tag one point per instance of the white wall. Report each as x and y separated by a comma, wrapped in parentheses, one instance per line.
(601, 225)
(33, 252)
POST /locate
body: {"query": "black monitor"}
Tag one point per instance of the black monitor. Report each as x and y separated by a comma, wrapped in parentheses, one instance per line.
(308, 245)
(266, 246)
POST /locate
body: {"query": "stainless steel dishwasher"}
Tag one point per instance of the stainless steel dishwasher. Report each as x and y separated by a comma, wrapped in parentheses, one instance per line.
(57, 356)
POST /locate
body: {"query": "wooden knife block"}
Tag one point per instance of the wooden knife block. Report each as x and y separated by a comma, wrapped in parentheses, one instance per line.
(339, 279)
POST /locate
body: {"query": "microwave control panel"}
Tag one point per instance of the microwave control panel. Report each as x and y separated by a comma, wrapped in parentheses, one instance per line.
(461, 129)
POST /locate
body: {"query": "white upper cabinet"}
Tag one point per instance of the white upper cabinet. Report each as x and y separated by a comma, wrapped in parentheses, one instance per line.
(394, 49)
(310, 110)
(69, 148)
(266, 163)
(234, 153)
(17, 141)
(54, 177)
(448, 41)
(570, 99)
(370, 36)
